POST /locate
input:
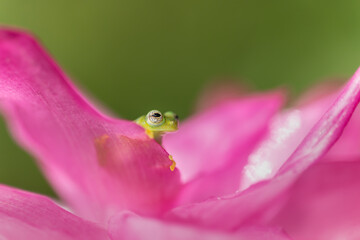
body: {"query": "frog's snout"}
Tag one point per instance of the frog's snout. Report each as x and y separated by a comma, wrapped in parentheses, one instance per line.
(174, 124)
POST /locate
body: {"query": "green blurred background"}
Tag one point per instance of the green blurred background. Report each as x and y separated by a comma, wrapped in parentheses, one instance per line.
(133, 55)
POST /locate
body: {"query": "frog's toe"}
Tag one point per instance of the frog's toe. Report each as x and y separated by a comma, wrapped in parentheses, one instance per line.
(173, 165)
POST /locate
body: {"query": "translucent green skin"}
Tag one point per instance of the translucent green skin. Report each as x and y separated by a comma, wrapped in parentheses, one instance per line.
(170, 123)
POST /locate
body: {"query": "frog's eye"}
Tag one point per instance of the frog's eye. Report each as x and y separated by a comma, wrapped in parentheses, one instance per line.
(154, 118)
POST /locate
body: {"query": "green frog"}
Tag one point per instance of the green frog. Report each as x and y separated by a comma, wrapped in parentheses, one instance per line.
(157, 124)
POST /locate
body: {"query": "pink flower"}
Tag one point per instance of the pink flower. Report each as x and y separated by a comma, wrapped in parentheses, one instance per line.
(246, 168)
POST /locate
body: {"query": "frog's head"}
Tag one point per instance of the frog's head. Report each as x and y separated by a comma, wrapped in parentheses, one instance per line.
(155, 121)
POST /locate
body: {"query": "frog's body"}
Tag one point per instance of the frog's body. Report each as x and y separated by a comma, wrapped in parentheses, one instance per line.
(156, 124)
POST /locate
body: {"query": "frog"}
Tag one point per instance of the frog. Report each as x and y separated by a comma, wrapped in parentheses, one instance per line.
(157, 124)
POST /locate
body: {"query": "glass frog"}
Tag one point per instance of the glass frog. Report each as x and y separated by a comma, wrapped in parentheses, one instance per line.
(157, 124)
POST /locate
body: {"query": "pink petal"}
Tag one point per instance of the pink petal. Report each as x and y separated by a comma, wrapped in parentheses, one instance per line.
(24, 215)
(319, 97)
(98, 164)
(347, 148)
(258, 201)
(132, 227)
(212, 148)
(324, 203)
(287, 130)
(320, 91)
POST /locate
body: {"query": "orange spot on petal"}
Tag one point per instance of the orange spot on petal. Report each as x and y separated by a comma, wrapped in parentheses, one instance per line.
(100, 149)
